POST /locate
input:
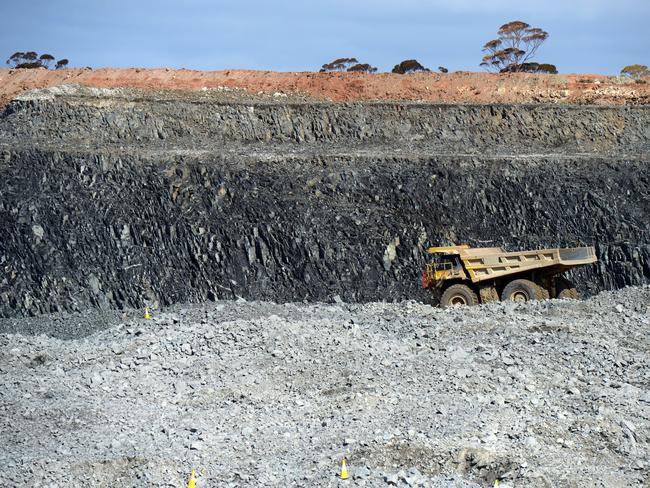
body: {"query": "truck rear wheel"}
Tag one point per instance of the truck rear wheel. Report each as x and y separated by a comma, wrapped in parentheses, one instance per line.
(565, 289)
(458, 295)
(523, 291)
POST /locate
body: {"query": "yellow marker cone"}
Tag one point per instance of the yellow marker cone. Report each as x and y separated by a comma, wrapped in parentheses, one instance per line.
(192, 482)
(344, 470)
(496, 483)
(146, 313)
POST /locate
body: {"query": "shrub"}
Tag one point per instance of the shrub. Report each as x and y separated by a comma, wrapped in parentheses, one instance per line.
(409, 66)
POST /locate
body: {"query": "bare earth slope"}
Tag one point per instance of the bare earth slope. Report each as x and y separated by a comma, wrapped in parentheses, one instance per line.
(460, 87)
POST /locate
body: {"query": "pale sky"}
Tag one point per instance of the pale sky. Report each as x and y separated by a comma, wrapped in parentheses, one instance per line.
(586, 36)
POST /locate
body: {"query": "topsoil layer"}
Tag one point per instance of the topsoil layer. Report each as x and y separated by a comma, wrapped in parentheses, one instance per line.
(460, 87)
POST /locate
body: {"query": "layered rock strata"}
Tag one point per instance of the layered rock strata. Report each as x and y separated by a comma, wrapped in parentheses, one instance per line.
(117, 198)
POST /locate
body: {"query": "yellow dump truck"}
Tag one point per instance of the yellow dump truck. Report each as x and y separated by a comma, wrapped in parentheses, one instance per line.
(466, 275)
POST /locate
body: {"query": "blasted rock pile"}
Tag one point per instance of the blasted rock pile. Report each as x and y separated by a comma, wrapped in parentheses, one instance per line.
(550, 393)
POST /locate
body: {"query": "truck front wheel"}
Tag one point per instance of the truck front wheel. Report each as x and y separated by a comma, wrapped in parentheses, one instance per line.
(523, 291)
(458, 295)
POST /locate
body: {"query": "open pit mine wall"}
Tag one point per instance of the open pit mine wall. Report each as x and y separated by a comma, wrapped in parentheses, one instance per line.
(114, 202)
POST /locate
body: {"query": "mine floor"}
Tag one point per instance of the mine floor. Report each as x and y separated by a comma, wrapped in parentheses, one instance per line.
(551, 393)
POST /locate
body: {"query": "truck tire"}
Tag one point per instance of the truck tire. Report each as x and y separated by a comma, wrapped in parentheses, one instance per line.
(458, 295)
(565, 289)
(542, 293)
(523, 291)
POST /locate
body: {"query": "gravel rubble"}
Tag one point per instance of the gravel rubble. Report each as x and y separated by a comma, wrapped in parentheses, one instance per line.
(552, 393)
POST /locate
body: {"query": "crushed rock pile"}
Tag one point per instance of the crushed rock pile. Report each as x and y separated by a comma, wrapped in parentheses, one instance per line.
(551, 393)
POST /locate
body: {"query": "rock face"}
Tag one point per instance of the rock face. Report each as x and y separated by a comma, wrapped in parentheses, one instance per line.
(117, 198)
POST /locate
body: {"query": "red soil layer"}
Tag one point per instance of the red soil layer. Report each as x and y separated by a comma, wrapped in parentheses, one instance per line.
(460, 87)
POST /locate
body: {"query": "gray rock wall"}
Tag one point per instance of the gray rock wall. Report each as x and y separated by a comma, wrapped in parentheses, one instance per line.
(98, 118)
(116, 202)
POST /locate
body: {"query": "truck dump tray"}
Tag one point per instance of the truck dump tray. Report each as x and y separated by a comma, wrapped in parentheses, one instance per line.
(479, 264)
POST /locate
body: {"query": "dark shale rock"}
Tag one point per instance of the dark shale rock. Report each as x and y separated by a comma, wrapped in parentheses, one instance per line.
(114, 200)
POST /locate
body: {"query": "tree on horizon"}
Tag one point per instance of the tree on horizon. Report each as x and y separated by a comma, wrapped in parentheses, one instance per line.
(516, 44)
(636, 71)
(362, 68)
(350, 65)
(340, 64)
(31, 60)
